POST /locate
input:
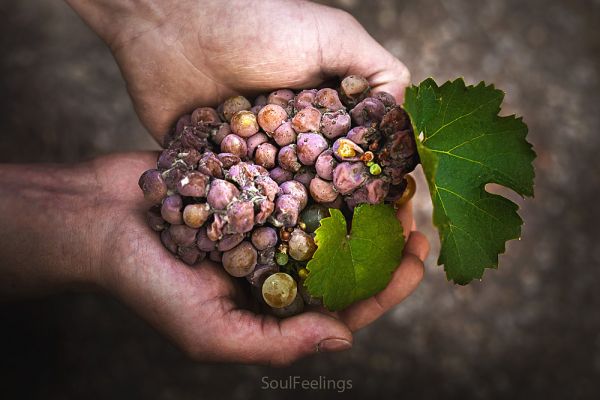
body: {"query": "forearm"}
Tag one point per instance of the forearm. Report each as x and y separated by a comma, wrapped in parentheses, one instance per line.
(46, 214)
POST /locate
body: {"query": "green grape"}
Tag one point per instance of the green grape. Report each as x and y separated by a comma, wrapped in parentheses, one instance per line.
(279, 290)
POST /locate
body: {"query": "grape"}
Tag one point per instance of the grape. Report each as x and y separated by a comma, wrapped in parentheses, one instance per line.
(335, 124)
(217, 135)
(266, 155)
(267, 256)
(353, 89)
(377, 189)
(301, 245)
(328, 98)
(387, 99)
(153, 185)
(266, 209)
(281, 175)
(190, 255)
(312, 216)
(241, 260)
(215, 256)
(210, 165)
(270, 117)
(309, 146)
(348, 176)
(235, 145)
(368, 112)
(337, 203)
(190, 157)
(307, 120)
(155, 220)
(304, 176)
(233, 105)
(346, 150)
(194, 184)
(325, 164)
(308, 299)
(203, 242)
(221, 193)
(295, 308)
(285, 134)
(363, 136)
(260, 273)
(205, 115)
(286, 212)
(267, 186)
(244, 124)
(322, 191)
(279, 290)
(183, 235)
(280, 97)
(167, 159)
(172, 177)
(260, 101)
(171, 209)
(408, 192)
(228, 160)
(288, 158)
(254, 141)
(394, 120)
(264, 237)
(214, 231)
(195, 215)
(167, 241)
(305, 98)
(182, 122)
(297, 191)
(228, 242)
(240, 215)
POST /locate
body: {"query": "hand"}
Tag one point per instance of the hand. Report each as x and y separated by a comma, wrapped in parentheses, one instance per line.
(202, 308)
(176, 57)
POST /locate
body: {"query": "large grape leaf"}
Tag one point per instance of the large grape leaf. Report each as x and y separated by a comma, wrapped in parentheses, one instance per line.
(351, 267)
(464, 145)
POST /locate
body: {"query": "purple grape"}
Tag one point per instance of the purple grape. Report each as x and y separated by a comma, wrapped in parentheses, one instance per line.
(387, 99)
(348, 176)
(210, 165)
(280, 97)
(233, 105)
(304, 176)
(346, 150)
(155, 220)
(267, 256)
(267, 186)
(172, 177)
(241, 260)
(254, 141)
(377, 189)
(217, 135)
(286, 212)
(167, 158)
(270, 117)
(305, 98)
(309, 146)
(215, 230)
(182, 122)
(394, 120)
(221, 193)
(296, 190)
(353, 89)
(328, 98)
(260, 273)
(362, 136)
(234, 144)
(215, 256)
(368, 112)
(261, 100)
(240, 215)
(203, 242)
(307, 120)
(167, 241)
(285, 134)
(190, 157)
(228, 159)
(183, 235)
(264, 237)
(171, 209)
(244, 124)
(288, 158)
(190, 255)
(153, 185)
(325, 164)
(194, 184)
(266, 208)
(205, 115)
(322, 191)
(337, 203)
(335, 124)
(266, 155)
(195, 215)
(281, 175)
(228, 242)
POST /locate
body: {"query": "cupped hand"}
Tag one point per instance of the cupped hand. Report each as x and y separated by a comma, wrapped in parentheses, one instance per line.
(176, 56)
(206, 312)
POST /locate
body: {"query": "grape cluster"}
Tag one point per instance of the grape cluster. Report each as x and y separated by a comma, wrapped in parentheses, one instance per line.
(246, 184)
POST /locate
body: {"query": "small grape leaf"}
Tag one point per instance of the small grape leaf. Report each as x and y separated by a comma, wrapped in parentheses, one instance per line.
(351, 267)
(464, 145)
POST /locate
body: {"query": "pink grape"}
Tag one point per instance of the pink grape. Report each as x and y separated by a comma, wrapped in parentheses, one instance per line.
(171, 209)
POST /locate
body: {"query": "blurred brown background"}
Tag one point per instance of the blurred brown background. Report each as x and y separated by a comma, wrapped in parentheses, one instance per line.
(529, 330)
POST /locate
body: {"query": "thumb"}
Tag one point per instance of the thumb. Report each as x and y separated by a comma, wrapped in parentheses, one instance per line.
(357, 53)
(267, 340)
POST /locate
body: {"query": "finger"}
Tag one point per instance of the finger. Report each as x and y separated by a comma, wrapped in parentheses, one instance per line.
(263, 339)
(357, 53)
(404, 281)
(405, 216)
(417, 245)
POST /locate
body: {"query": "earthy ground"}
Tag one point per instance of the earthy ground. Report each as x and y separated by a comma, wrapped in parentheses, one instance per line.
(529, 330)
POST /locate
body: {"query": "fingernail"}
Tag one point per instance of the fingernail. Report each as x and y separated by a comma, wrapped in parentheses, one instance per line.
(333, 345)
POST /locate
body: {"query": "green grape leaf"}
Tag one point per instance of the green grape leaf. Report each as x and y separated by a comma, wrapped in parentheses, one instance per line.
(348, 267)
(464, 145)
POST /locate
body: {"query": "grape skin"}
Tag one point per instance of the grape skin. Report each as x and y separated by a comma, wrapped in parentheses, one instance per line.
(241, 260)
(309, 147)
